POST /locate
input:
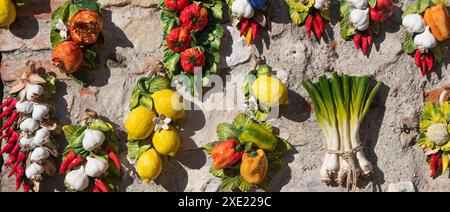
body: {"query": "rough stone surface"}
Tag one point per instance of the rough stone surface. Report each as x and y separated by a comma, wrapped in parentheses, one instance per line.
(401, 187)
(132, 34)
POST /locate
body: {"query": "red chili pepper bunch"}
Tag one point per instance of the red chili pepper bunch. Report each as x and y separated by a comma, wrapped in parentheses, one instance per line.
(424, 60)
(435, 162)
(315, 22)
(363, 40)
(249, 29)
(12, 147)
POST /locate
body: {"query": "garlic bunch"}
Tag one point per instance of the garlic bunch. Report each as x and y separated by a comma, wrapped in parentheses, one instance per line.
(242, 9)
(34, 171)
(39, 112)
(24, 107)
(320, 4)
(77, 179)
(29, 125)
(93, 139)
(425, 40)
(40, 136)
(39, 154)
(95, 167)
(360, 19)
(358, 4)
(414, 23)
(34, 91)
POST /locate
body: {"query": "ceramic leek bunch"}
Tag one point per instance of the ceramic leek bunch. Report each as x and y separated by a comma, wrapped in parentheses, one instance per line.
(434, 137)
(91, 161)
(264, 90)
(28, 129)
(76, 36)
(249, 14)
(428, 26)
(362, 19)
(153, 133)
(341, 103)
(311, 13)
(246, 155)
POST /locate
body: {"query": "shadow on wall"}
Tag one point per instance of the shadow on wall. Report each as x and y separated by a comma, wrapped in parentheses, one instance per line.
(114, 38)
(298, 109)
(26, 26)
(370, 131)
(283, 177)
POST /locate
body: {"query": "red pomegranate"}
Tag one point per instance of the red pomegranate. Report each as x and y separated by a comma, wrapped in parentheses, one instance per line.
(67, 56)
(85, 27)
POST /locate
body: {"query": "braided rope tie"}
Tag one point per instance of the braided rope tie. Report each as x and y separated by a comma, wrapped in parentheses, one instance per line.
(349, 156)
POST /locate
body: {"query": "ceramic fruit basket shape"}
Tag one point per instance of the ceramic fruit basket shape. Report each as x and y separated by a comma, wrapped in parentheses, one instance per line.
(312, 13)
(362, 19)
(247, 155)
(8, 12)
(250, 15)
(28, 129)
(76, 36)
(428, 24)
(91, 161)
(153, 133)
(263, 90)
(192, 39)
(434, 137)
(341, 103)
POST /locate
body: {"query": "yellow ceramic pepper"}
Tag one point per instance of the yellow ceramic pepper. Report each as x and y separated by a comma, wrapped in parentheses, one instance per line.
(254, 166)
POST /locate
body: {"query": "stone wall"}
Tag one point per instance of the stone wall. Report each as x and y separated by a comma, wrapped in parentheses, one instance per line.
(133, 36)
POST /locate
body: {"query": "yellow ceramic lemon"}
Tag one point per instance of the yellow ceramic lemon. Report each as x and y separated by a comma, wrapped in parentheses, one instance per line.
(149, 165)
(7, 13)
(270, 91)
(139, 123)
(169, 103)
(166, 142)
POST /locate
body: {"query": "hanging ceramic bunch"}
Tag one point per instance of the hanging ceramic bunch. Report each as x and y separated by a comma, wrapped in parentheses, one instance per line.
(192, 38)
(428, 24)
(28, 127)
(263, 90)
(362, 19)
(247, 155)
(341, 103)
(153, 133)
(249, 14)
(8, 12)
(434, 137)
(76, 36)
(91, 161)
(312, 13)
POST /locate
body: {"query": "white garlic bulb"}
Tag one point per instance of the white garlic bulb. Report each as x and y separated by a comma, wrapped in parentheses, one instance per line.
(414, 23)
(425, 40)
(360, 19)
(34, 91)
(92, 139)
